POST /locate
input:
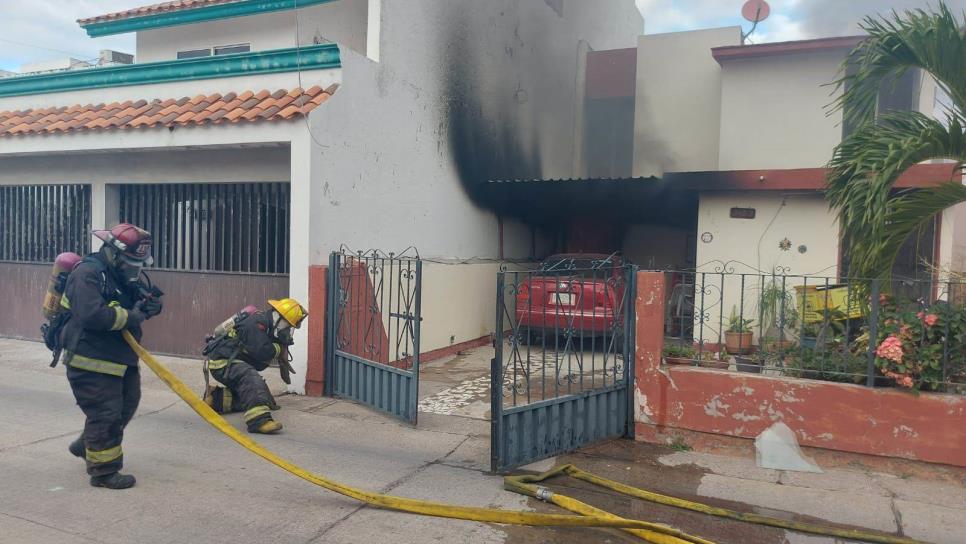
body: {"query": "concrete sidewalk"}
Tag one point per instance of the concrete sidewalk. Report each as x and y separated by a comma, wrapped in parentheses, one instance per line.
(196, 485)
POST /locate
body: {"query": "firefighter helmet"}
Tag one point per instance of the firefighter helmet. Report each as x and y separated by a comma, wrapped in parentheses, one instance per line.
(132, 243)
(290, 310)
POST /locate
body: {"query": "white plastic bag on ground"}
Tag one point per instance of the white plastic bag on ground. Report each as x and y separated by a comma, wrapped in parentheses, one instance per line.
(777, 448)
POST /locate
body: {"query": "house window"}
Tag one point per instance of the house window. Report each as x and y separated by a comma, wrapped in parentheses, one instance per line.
(194, 53)
(229, 49)
(213, 227)
(39, 221)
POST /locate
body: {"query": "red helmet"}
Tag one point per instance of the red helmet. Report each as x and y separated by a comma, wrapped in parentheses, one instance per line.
(132, 242)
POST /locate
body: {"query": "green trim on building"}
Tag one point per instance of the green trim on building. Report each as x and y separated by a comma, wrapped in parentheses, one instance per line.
(310, 57)
(195, 15)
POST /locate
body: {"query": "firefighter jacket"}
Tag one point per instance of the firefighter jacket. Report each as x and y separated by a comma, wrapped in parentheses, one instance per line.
(98, 305)
(251, 341)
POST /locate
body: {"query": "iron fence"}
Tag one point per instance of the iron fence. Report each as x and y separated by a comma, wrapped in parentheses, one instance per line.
(904, 333)
(213, 227)
(37, 222)
(377, 309)
(566, 329)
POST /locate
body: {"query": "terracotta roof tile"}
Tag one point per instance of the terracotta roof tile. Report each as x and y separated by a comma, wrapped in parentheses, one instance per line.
(288, 112)
(186, 111)
(153, 9)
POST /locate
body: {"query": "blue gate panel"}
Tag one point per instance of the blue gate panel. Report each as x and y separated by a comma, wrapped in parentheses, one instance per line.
(536, 431)
(382, 387)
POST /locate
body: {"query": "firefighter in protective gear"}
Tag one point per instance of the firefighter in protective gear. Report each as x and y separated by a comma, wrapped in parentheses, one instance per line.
(236, 358)
(105, 296)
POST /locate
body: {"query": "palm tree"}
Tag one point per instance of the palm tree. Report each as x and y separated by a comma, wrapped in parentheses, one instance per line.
(867, 163)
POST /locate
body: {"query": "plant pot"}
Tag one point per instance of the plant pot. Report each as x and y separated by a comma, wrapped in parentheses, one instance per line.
(681, 361)
(720, 365)
(809, 342)
(737, 343)
(747, 364)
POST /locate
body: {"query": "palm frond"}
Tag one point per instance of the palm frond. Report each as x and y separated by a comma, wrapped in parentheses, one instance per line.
(866, 165)
(932, 41)
(907, 215)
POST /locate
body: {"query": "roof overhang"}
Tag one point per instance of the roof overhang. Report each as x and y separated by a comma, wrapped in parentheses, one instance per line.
(671, 200)
(310, 57)
(799, 179)
(183, 13)
(632, 200)
(752, 51)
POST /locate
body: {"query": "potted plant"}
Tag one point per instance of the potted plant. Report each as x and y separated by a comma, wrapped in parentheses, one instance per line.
(719, 360)
(776, 307)
(747, 364)
(738, 336)
(679, 354)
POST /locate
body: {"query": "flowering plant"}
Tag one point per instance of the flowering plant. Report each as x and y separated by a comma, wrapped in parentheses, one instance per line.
(913, 341)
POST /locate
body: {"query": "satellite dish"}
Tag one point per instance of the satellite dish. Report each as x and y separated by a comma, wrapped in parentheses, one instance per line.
(754, 11)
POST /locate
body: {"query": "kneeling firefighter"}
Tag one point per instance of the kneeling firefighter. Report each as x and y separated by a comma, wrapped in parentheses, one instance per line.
(243, 346)
(103, 296)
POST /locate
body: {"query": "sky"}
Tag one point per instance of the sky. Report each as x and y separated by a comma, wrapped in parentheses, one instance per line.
(38, 30)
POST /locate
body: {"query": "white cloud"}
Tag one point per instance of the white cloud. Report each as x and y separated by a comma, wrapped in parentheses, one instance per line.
(47, 29)
(789, 20)
(781, 28)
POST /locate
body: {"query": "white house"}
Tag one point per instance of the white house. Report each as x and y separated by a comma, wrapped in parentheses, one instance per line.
(256, 136)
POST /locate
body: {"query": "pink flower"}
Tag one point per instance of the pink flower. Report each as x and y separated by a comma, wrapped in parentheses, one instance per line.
(931, 319)
(890, 349)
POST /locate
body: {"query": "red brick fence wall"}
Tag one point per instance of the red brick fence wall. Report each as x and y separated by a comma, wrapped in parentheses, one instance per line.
(887, 422)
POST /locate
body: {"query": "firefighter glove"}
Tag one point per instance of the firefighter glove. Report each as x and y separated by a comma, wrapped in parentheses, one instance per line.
(285, 370)
(284, 337)
(135, 317)
(151, 307)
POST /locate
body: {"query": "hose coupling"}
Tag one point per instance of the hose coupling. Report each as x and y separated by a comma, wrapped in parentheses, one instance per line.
(544, 494)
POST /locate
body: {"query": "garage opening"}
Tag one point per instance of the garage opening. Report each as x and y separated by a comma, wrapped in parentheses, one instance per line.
(217, 248)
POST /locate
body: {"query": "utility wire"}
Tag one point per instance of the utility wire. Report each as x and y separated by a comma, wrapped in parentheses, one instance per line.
(73, 54)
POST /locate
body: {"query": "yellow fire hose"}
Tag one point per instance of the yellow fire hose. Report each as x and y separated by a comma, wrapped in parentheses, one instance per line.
(591, 517)
(525, 484)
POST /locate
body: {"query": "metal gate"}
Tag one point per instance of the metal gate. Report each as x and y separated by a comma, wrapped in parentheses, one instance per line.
(563, 369)
(373, 337)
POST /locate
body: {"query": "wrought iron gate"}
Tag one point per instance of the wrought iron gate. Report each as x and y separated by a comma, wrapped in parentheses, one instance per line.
(373, 337)
(562, 373)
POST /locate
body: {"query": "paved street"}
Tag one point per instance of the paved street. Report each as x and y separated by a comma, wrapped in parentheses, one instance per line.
(195, 485)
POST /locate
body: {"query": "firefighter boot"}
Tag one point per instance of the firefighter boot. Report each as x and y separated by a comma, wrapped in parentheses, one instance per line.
(114, 480)
(269, 426)
(76, 447)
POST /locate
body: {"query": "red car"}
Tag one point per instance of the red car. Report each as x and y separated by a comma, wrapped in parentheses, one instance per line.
(579, 292)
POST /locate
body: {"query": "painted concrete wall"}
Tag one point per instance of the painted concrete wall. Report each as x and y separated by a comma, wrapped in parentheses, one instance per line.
(384, 173)
(802, 218)
(751, 246)
(343, 22)
(679, 101)
(674, 400)
(458, 303)
(169, 166)
(773, 112)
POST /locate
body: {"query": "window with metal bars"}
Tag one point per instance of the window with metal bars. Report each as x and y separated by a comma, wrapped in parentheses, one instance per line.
(37, 222)
(213, 227)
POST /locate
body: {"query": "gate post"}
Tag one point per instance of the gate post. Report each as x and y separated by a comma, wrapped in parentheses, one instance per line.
(649, 309)
(496, 377)
(318, 320)
(333, 293)
(630, 346)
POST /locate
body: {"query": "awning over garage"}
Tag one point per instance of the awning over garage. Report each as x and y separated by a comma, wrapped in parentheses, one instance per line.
(627, 200)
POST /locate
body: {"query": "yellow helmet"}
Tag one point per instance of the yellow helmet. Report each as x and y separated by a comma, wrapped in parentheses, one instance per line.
(290, 310)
